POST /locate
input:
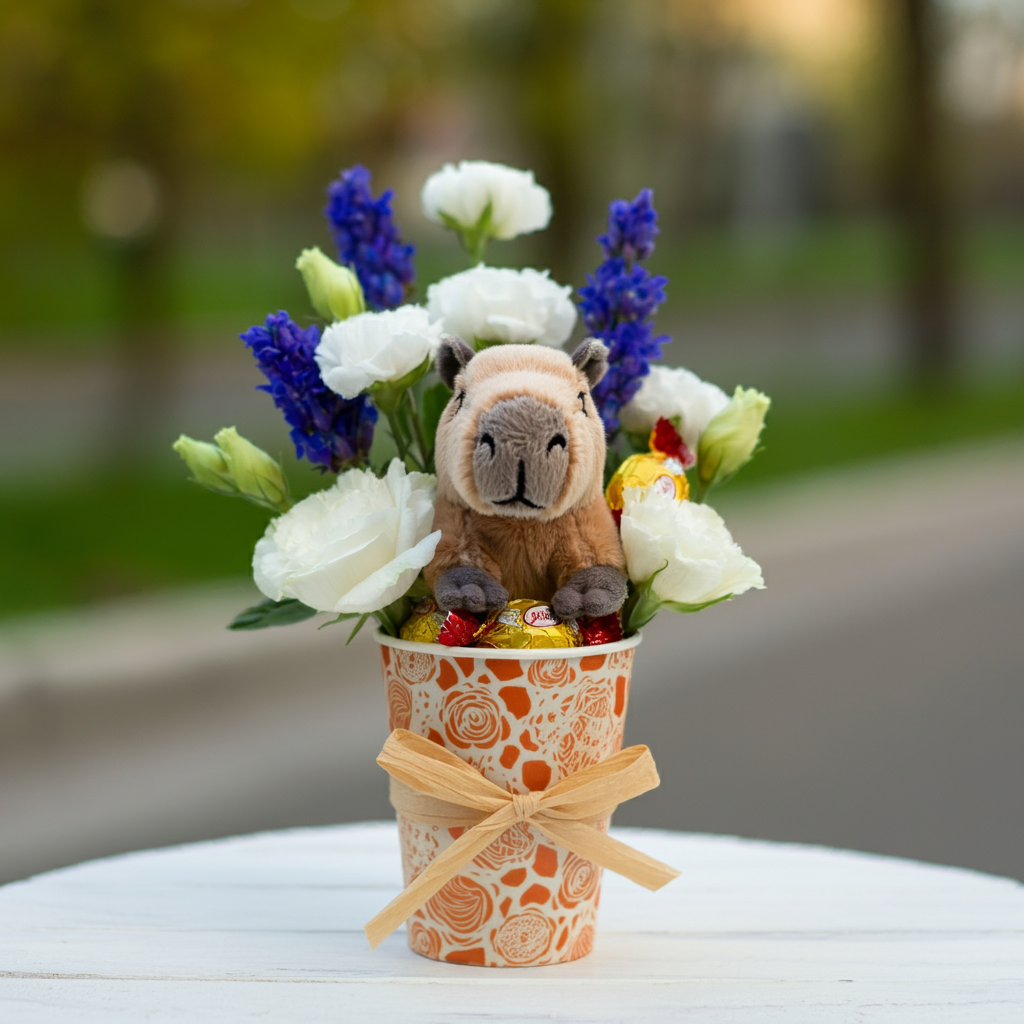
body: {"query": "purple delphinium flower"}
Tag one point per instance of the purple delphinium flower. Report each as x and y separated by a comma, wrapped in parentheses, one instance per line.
(368, 240)
(631, 228)
(326, 428)
(618, 304)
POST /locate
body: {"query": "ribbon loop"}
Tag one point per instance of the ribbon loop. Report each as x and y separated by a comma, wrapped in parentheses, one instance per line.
(433, 786)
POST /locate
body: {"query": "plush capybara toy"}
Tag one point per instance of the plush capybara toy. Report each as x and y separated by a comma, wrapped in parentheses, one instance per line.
(520, 461)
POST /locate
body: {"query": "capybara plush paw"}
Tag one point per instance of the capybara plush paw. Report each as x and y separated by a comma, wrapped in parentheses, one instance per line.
(469, 588)
(597, 590)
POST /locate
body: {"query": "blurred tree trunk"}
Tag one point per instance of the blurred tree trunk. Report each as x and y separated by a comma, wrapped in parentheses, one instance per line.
(924, 195)
(147, 356)
(148, 353)
(555, 115)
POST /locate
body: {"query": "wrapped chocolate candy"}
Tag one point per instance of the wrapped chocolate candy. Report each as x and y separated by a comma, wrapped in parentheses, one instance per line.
(605, 630)
(528, 623)
(428, 624)
(424, 624)
(460, 629)
(663, 467)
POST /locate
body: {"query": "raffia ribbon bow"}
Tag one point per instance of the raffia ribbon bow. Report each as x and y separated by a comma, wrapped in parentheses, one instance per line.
(432, 786)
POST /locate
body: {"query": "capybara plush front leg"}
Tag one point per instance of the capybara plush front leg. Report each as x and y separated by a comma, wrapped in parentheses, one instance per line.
(469, 588)
(597, 590)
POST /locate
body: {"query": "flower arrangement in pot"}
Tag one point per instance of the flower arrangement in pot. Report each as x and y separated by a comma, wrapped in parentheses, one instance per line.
(534, 510)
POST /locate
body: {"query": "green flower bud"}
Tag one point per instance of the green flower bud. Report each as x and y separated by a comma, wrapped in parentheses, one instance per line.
(334, 290)
(207, 463)
(257, 476)
(728, 441)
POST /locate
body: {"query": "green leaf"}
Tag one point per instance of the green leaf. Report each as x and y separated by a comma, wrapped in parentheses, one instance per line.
(343, 617)
(388, 395)
(638, 441)
(612, 461)
(433, 403)
(474, 237)
(642, 604)
(686, 609)
(451, 223)
(358, 626)
(419, 589)
(272, 613)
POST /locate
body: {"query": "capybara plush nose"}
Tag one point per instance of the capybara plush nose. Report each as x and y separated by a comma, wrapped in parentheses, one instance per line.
(521, 456)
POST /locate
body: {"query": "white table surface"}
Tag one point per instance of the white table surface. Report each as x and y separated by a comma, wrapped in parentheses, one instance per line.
(269, 928)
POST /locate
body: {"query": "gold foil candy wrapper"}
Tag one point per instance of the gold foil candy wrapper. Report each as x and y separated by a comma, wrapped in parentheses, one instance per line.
(648, 469)
(424, 624)
(526, 623)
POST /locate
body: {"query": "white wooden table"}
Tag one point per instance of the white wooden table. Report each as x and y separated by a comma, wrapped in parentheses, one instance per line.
(269, 927)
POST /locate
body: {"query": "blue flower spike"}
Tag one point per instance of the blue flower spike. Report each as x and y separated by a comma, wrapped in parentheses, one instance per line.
(330, 431)
(368, 240)
(619, 301)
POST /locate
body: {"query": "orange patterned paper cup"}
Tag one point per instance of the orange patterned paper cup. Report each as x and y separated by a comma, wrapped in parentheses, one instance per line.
(525, 719)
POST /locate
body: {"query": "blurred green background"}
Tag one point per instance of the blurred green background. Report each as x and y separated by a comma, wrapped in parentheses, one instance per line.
(840, 185)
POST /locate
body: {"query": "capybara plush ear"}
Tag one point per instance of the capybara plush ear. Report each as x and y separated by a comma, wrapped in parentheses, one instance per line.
(592, 359)
(452, 355)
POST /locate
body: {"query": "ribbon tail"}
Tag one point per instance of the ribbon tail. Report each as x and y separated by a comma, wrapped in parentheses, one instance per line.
(441, 870)
(586, 842)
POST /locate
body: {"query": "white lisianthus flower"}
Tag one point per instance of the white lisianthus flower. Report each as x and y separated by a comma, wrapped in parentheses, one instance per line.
(459, 196)
(704, 563)
(670, 392)
(354, 547)
(372, 348)
(493, 304)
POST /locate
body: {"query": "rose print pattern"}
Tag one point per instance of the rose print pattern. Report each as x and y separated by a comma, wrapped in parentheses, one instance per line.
(415, 667)
(620, 661)
(523, 900)
(580, 881)
(524, 938)
(399, 705)
(513, 845)
(584, 943)
(471, 719)
(424, 940)
(549, 673)
(591, 714)
(462, 906)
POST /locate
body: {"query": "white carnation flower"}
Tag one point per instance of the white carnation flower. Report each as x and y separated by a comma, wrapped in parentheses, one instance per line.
(704, 562)
(668, 391)
(518, 204)
(375, 347)
(494, 304)
(354, 547)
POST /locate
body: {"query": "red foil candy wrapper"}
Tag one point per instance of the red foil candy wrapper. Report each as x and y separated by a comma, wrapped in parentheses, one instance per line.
(460, 628)
(605, 630)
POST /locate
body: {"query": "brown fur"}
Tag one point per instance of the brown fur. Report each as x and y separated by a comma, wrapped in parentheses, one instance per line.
(532, 553)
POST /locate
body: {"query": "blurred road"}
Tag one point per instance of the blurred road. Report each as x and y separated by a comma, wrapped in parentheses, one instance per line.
(872, 697)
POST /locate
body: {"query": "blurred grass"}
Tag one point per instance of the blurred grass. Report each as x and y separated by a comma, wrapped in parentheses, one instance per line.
(238, 286)
(801, 437)
(838, 257)
(112, 536)
(115, 535)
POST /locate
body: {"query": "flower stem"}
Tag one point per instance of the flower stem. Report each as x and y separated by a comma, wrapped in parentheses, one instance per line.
(398, 435)
(417, 429)
(477, 248)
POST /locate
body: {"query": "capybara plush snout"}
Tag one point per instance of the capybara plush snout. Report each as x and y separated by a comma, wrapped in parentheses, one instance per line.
(520, 455)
